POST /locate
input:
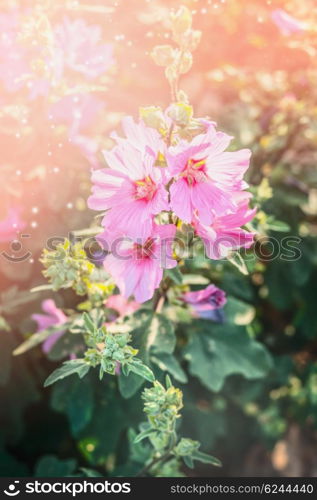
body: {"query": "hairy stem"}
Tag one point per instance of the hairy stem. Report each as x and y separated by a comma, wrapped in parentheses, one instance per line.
(153, 462)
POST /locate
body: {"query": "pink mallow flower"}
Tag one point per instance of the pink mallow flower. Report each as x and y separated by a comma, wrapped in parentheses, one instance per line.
(74, 47)
(79, 112)
(225, 233)
(286, 23)
(82, 49)
(137, 265)
(11, 225)
(206, 303)
(53, 317)
(206, 176)
(133, 188)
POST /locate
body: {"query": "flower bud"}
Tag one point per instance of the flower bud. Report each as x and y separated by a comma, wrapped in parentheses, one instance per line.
(181, 20)
(163, 55)
(153, 117)
(186, 446)
(181, 113)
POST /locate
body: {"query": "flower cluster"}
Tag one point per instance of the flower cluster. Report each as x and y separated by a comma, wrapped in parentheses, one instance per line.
(36, 54)
(156, 176)
(60, 65)
(68, 266)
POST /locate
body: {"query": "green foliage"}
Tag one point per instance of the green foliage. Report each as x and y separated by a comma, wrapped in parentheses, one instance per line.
(188, 450)
(75, 398)
(216, 352)
(36, 339)
(107, 350)
(154, 337)
(74, 366)
(51, 466)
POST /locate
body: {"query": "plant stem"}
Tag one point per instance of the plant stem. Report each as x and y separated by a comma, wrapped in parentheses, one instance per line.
(155, 461)
(158, 301)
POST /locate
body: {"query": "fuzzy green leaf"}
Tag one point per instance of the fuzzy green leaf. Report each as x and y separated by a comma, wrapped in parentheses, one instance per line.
(68, 368)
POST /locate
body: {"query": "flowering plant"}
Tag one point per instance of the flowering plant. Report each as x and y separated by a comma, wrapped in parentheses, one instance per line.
(154, 296)
(168, 176)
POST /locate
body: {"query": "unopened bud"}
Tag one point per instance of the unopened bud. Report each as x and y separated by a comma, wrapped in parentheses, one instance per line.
(181, 113)
(153, 117)
(181, 20)
(163, 55)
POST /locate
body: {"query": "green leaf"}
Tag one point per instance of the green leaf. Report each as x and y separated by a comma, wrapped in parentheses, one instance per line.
(188, 461)
(4, 325)
(41, 288)
(161, 336)
(151, 333)
(237, 261)
(128, 386)
(89, 324)
(237, 286)
(178, 314)
(168, 382)
(75, 398)
(277, 225)
(195, 279)
(216, 351)
(78, 325)
(175, 275)
(168, 363)
(139, 451)
(125, 370)
(51, 466)
(66, 345)
(90, 472)
(206, 459)
(38, 338)
(142, 370)
(68, 368)
(143, 435)
(100, 437)
(12, 298)
(238, 312)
